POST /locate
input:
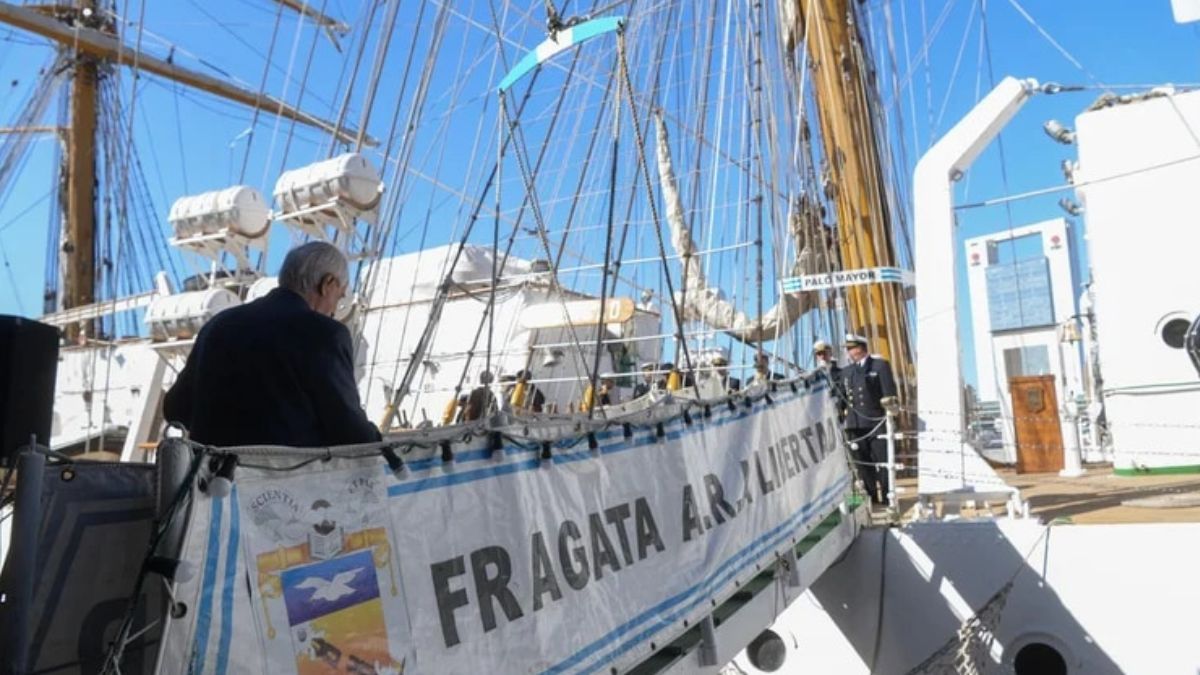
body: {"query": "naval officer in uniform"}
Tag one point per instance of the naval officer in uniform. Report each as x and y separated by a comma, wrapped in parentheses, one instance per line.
(867, 380)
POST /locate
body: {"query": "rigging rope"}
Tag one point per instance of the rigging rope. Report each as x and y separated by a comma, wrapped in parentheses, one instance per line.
(358, 58)
(680, 340)
(287, 146)
(381, 52)
(530, 198)
(439, 301)
(1054, 43)
(962, 46)
(262, 90)
(601, 326)
(527, 177)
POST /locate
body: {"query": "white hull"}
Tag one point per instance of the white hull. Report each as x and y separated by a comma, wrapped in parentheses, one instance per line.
(1109, 598)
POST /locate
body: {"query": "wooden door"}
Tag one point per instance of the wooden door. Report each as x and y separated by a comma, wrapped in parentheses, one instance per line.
(1036, 421)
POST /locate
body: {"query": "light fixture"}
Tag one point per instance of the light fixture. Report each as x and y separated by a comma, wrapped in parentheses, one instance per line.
(1070, 207)
(1055, 129)
(1068, 169)
(1068, 332)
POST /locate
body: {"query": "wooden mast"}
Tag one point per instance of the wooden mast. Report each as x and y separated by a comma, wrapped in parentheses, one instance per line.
(83, 29)
(79, 246)
(854, 177)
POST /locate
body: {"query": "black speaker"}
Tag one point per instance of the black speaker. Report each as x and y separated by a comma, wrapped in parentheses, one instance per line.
(28, 364)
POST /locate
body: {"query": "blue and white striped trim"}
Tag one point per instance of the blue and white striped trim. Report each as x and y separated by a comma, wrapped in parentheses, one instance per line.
(890, 274)
(563, 40)
(213, 579)
(792, 285)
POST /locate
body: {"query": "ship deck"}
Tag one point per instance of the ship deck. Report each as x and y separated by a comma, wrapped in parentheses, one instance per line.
(1099, 496)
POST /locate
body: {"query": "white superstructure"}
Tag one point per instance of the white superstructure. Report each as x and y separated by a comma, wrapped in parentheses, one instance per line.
(1139, 165)
(524, 334)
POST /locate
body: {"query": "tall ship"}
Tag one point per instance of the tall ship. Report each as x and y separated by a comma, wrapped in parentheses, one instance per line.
(625, 225)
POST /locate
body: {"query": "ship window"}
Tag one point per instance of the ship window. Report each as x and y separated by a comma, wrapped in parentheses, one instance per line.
(1016, 249)
(1039, 658)
(1024, 361)
(1174, 332)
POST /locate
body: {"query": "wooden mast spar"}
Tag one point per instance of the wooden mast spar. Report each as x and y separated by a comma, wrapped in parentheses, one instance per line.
(86, 30)
(855, 178)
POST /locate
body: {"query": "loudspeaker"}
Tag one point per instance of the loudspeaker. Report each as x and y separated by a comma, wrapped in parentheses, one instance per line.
(28, 365)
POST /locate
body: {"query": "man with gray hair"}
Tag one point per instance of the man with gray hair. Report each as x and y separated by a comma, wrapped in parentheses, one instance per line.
(278, 370)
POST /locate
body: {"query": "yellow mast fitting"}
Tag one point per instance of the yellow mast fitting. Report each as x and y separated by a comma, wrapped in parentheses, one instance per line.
(448, 413)
(674, 380)
(517, 399)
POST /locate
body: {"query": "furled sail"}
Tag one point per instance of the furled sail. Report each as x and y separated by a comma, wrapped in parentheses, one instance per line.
(698, 300)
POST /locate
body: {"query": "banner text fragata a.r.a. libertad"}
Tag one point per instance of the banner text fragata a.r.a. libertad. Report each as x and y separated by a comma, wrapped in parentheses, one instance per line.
(578, 551)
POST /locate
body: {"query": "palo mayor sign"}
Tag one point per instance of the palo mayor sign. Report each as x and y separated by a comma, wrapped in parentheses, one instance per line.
(841, 279)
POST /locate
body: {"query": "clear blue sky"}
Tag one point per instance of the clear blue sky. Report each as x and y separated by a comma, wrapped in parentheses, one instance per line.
(202, 146)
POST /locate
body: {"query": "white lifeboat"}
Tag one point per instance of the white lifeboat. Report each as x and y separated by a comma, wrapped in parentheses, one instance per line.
(180, 316)
(239, 210)
(330, 192)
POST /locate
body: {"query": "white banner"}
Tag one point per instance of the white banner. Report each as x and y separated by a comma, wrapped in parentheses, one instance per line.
(506, 564)
(869, 275)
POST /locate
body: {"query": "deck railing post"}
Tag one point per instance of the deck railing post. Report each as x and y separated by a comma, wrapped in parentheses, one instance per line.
(890, 427)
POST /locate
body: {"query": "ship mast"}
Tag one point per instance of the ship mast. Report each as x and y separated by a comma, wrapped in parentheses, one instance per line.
(79, 245)
(854, 176)
(90, 32)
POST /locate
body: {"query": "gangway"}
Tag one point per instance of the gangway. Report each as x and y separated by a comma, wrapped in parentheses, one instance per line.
(659, 538)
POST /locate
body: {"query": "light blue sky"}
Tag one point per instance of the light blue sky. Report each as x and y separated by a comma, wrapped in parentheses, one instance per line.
(202, 146)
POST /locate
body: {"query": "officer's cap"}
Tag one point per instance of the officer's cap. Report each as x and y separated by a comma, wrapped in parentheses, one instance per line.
(852, 339)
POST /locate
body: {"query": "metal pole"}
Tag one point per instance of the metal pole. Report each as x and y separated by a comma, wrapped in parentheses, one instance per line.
(708, 641)
(891, 460)
(174, 457)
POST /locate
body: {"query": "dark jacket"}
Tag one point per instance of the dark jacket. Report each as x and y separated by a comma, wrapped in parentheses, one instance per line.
(865, 386)
(271, 372)
(836, 387)
(535, 399)
(480, 403)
